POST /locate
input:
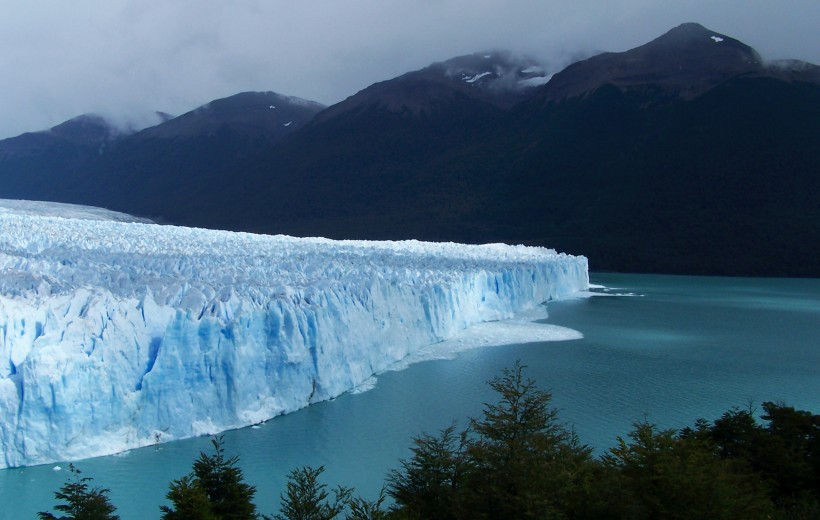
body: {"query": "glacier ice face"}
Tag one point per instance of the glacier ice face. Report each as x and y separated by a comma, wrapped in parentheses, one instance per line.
(117, 335)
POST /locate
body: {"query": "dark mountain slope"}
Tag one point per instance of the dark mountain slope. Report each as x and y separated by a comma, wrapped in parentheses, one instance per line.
(498, 78)
(386, 160)
(724, 184)
(162, 171)
(35, 165)
(685, 155)
(683, 63)
(712, 169)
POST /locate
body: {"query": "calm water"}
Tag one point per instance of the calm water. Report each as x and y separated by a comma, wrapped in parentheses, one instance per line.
(668, 349)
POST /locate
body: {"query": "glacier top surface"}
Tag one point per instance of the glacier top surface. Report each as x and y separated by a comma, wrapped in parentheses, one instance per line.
(187, 267)
(59, 209)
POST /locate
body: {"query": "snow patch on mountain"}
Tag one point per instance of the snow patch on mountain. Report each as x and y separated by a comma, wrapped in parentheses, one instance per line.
(535, 81)
(473, 79)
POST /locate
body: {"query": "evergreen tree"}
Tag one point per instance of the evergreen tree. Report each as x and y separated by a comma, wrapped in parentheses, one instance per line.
(307, 499)
(664, 475)
(526, 464)
(430, 483)
(215, 489)
(790, 457)
(189, 501)
(516, 461)
(785, 452)
(361, 509)
(82, 502)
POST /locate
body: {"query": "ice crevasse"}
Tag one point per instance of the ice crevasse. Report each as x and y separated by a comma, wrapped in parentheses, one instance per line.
(116, 335)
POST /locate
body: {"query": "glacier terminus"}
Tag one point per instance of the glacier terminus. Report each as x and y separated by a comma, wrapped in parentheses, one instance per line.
(116, 335)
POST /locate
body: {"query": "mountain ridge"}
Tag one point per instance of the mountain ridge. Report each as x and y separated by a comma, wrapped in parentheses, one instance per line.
(684, 63)
(687, 154)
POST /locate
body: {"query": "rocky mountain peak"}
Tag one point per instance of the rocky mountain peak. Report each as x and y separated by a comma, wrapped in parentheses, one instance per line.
(257, 113)
(497, 78)
(86, 128)
(681, 64)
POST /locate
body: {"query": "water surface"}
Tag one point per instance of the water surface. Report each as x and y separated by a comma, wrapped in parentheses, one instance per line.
(663, 348)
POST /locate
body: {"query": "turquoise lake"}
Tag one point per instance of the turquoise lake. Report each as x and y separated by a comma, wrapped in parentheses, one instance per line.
(668, 349)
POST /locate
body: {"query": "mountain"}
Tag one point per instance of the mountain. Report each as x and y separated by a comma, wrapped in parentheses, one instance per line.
(689, 154)
(32, 164)
(38, 165)
(683, 156)
(496, 78)
(370, 166)
(686, 155)
(163, 171)
(89, 161)
(684, 63)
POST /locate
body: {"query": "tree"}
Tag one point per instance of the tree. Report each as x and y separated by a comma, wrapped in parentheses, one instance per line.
(664, 475)
(526, 463)
(785, 452)
(361, 509)
(215, 489)
(82, 502)
(306, 498)
(516, 461)
(789, 457)
(190, 501)
(430, 483)
(736, 434)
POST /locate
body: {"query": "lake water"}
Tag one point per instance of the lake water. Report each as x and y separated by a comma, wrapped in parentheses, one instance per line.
(663, 348)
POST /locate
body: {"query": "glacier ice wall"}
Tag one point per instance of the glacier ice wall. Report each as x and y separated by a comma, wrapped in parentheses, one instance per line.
(117, 335)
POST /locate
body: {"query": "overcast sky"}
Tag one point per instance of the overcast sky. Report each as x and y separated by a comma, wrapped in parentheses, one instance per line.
(59, 59)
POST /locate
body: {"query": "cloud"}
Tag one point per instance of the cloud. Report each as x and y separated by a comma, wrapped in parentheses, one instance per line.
(130, 57)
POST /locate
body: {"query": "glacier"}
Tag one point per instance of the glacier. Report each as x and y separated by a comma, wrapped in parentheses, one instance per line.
(116, 335)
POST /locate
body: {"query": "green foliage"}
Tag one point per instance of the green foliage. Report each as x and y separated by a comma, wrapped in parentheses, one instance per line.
(307, 499)
(790, 457)
(785, 453)
(189, 501)
(526, 463)
(663, 475)
(429, 485)
(214, 490)
(516, 461)
(361, 509)
(82, 502)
